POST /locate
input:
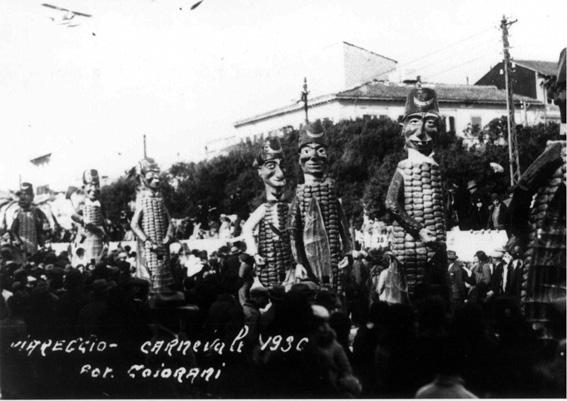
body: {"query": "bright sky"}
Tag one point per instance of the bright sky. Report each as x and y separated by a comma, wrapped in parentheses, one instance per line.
(88, 93)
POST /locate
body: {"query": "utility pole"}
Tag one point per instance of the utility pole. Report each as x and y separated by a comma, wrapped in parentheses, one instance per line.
(305, 100)
(145, 153)
(512, 142)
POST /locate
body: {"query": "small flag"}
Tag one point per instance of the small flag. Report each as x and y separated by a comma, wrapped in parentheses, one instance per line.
(41, 160)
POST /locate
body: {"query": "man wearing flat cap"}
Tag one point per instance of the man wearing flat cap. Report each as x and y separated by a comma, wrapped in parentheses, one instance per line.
(416, 196)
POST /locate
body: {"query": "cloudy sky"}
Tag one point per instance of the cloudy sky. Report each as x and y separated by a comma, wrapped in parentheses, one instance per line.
(182, 77)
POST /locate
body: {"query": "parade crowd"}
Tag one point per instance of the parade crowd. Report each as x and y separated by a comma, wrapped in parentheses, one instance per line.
(366, 344)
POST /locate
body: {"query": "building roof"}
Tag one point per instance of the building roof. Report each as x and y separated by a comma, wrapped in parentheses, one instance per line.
(369, 51)
(544, 67)
(389, 91)
(446, 93)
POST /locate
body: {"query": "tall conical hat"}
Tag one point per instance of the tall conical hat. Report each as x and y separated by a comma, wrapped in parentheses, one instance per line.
(308, 135)
(25, 188)
(91, 177)
(271, 149)
(421, 101)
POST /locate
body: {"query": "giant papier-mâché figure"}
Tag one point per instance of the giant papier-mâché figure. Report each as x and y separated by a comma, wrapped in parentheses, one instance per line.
(273, 251)
(537, 216)
(319, 233)
(152, 226)
(91, 237)
(28, 222)
(415, 197)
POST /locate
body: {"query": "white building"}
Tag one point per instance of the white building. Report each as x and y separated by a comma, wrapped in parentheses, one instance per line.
(460, 105)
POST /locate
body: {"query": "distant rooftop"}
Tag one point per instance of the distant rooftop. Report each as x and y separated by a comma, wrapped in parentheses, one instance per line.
(485, 94)
(544, 67)
(389, 91)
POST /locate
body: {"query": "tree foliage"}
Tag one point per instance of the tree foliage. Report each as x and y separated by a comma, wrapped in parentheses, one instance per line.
(363, 156)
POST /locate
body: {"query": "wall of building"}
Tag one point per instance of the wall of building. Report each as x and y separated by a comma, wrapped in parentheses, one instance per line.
(524, 80)
(458, 116)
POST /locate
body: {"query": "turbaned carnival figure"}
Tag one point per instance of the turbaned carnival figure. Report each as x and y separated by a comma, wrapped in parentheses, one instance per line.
(537, 216)
(415, 197)
(273, 251)
(91, 236)
(28, 222)
(319, 231)
(152, 226)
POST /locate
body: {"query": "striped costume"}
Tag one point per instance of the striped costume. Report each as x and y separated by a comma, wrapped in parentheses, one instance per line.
(154, 222)
(273, 243)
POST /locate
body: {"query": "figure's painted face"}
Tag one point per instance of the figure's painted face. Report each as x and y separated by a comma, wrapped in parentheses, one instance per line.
(25, 200)
(272, 173)
(151, 179)
(420, 132)
(313, 159)
(92, 190)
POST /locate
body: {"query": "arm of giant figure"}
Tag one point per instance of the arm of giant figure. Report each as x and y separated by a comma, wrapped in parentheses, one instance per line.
(531, 180)
(395, 205)
(170, 234)
(248, 233)
(296, 238)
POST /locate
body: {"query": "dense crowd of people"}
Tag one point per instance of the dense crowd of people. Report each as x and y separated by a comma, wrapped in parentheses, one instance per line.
(370, 342)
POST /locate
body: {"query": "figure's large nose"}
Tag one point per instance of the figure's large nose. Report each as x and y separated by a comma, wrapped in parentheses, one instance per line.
(278, 173)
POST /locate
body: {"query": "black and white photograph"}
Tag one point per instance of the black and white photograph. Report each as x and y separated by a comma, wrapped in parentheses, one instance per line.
(283, 199)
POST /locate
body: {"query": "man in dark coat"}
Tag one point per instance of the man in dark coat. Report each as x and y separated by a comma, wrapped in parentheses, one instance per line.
(457, 279)
(512, 279)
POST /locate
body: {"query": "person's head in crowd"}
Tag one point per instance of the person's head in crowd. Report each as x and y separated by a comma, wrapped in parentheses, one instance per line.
(294, 316)
(230, 283)
(73, 280)
(497, 255)
(378, 314)
(223, 251)
(55, 278)
(127, 249)
(305, 290)
(122, 256)
(495, 199)
(341, 324)
(259, 296)
(480, 258)
(328, 299)
(452, 256)
(18, 305)
(276, 294)
(516, 251)
(100, 288)
(204, 256)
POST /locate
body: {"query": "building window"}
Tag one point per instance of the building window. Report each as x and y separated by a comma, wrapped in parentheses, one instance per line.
(476, 121)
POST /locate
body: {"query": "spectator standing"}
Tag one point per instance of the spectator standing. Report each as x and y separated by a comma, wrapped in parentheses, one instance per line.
(512, 278)
(225, 229)
(496, 273)
(477, 213)
(392, 285)
(458, 276)
(497, 214)
(482, 276)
